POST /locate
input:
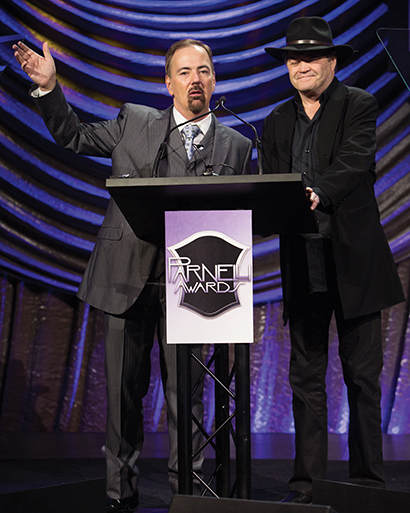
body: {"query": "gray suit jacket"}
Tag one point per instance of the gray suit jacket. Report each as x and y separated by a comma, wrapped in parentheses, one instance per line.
(120, 262)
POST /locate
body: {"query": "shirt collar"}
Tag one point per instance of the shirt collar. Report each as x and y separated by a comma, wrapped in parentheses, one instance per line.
(203, 124)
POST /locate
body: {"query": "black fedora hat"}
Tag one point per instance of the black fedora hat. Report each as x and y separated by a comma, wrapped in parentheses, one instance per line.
(310, 34)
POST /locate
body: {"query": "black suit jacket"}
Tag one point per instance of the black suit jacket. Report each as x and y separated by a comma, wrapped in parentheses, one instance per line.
(366, 274)
(120, 263)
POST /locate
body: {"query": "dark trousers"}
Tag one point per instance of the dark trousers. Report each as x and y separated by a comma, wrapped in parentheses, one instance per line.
(128, 342)
(361, 355)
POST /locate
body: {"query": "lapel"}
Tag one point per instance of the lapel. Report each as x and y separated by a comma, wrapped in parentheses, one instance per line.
(175, 159)
(157, 127)
(283, 132)
(328, 128)
(221, 143)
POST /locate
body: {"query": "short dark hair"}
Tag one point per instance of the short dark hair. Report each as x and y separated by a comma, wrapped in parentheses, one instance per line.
(184, 43)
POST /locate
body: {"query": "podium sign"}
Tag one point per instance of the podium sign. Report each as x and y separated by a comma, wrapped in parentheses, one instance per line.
(209, 276)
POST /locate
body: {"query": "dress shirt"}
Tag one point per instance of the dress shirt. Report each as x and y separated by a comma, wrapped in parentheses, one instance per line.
(203, 124)
(305, 161)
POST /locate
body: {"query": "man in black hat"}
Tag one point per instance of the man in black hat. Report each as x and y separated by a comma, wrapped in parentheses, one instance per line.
(327, 132)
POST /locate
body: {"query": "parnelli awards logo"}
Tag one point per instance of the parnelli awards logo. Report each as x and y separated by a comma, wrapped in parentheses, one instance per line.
(207, 272)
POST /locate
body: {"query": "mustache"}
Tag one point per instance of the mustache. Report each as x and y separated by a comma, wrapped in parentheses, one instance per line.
(196, 87)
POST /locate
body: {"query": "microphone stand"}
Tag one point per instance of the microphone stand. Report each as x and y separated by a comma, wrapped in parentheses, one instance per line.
(209, 168)
(258, 142)
(163, 145)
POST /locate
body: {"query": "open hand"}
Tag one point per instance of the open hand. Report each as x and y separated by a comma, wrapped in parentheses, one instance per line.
(41, 70)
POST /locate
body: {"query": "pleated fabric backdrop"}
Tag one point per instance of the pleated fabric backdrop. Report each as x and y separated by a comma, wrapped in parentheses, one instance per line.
(52, 202)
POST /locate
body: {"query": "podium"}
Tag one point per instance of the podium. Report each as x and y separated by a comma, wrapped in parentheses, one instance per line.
(279, 205)
(278, 202)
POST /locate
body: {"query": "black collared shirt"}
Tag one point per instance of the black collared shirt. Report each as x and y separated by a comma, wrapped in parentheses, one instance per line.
(305, 161)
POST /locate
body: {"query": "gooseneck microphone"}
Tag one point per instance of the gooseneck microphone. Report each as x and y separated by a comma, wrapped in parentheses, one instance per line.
(163, 145)
(258, 142)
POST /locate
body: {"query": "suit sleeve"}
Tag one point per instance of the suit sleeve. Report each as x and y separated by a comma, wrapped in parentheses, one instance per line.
(95, 139)
(269, 164)
(277, 137)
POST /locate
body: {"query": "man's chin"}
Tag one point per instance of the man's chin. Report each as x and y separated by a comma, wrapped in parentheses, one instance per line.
(196, 105)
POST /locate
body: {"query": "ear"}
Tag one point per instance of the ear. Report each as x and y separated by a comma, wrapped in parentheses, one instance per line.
(168, 83)
(214, 83)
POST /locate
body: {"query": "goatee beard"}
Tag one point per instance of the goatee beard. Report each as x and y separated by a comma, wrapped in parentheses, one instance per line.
(196, 105)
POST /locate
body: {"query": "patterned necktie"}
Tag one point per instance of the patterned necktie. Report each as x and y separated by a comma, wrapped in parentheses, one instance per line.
(190, 132)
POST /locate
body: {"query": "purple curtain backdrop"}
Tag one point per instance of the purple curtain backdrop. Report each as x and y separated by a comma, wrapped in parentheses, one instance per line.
(52, 202)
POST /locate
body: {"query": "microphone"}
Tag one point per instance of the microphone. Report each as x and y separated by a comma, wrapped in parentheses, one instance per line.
(258, 142)
(163, 145)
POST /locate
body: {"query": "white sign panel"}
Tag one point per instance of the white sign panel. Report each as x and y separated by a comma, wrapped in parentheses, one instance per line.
(209, 277)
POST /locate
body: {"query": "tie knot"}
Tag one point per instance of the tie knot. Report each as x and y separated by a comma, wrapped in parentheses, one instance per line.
(190, 132)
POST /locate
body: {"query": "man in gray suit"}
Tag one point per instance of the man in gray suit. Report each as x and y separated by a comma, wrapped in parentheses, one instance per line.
(125, 275)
